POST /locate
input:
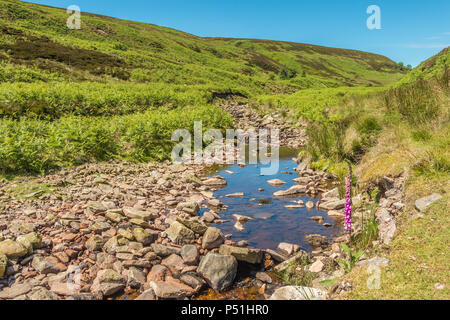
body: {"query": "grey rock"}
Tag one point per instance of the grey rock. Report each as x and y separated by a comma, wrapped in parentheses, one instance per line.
(15, 291)
(147, 295)
(164, 251)
(423, 203)
(179, 234)
(298, 293)
(12, 249)
(190, 254)
(218, 270)
(291, 191)
(212, 238)
(253, 256)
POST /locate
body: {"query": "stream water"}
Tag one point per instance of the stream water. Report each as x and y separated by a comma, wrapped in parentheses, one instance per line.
(272, 223)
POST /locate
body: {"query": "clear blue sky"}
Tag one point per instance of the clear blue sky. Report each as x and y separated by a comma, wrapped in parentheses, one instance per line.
(412, 30)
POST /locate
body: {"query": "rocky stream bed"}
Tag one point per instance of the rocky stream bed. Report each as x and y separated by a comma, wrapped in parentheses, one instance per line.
(153, 231)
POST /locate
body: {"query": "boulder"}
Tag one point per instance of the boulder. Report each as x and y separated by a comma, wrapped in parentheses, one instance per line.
(12, 249)
(332, 205)
(136, 277)
(171, 289)
(276, 182)
(94, 243)
(180, 234)
(212, 238)
(288, 248)
(331, 194)
(191, 207)
(218, 270)
(149, 214)
(46, 265)
(164, 251)
(108, 282)
(144, 237)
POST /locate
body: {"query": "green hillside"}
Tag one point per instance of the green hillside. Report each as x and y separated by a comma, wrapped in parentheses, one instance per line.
(36, 40)
(116, 70)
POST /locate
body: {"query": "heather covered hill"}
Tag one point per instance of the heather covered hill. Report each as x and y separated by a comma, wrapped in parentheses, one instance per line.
(35, 44)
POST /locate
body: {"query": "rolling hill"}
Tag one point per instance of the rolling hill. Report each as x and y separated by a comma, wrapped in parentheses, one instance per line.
(35, 38)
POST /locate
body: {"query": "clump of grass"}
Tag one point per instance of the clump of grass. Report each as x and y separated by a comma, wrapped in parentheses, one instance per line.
(295, 273)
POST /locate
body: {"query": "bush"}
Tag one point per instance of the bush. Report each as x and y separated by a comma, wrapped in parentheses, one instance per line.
(35, 146)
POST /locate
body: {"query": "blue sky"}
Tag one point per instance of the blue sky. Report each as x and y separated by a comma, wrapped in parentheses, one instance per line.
(411, 30)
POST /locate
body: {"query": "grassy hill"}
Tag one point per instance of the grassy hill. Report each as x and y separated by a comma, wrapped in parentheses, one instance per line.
(54, 81)
(36, 38)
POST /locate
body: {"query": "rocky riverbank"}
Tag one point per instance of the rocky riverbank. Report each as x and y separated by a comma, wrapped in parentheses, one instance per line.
(98, 230)
(107, 229)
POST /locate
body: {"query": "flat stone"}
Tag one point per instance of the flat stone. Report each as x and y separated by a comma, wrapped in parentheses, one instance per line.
(253, 256)
(264, 277)
(331, 194)
(190, 207)
(164, 251)
(42, 294)
(317, 240)
(94, 243)
(149, 214)
(171, 289)
(276, 182)
(298, 293)
(46, 265)
(235, 195)
(375, 261)
(241, 218)
(276, 256)
(317, 266)
(215, 182)
(64, 288)
(336, 214)
(291, 191)
(144, 237)
(297, 258)
(174, 263)
(423, 203)
(15, 291)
